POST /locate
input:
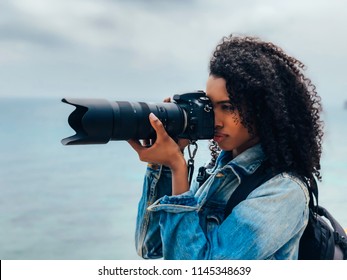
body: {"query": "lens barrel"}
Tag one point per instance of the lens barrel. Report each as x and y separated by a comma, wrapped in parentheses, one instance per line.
(97, 121)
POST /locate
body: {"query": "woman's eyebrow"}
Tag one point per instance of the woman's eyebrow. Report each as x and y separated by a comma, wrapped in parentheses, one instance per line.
(223, 102)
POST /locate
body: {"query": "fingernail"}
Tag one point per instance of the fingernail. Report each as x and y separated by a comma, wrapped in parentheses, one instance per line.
(153, 117)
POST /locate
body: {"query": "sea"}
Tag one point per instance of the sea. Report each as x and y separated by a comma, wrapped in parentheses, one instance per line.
(80, 202)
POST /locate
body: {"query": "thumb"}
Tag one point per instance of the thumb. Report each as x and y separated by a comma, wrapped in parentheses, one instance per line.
(157, 125)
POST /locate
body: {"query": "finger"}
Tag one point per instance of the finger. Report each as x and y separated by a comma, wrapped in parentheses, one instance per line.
(182, 143)
(136, 145)
(167, 99)
(157, 125)
(141, 151)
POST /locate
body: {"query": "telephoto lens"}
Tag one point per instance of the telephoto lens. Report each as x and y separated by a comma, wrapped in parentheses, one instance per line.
(97, 121)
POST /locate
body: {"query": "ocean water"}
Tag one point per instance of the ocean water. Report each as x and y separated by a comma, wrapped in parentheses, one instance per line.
(80, 202)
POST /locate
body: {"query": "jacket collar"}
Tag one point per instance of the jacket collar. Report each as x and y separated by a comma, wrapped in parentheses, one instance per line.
(246, 162)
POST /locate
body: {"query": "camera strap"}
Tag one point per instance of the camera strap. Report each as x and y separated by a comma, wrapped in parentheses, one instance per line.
(192, 149)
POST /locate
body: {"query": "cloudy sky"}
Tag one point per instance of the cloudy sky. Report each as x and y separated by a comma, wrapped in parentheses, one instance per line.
(150, 49)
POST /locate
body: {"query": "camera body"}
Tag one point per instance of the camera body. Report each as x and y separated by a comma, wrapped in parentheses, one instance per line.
(199, 114)
(97, 121)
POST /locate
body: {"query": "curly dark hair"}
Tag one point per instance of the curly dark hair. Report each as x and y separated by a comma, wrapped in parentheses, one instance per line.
(274, 99)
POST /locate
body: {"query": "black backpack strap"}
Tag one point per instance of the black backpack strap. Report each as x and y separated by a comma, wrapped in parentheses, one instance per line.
(334, 223)
(340, 236)
(248, 184)
(312, 188)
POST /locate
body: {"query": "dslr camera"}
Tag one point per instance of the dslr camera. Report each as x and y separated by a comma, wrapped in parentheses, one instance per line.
(97, 121)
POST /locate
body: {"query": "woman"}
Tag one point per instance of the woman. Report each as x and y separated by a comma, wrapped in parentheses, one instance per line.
(265, 108)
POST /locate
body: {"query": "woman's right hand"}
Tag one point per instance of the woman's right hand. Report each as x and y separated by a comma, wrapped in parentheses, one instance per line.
(164, 151)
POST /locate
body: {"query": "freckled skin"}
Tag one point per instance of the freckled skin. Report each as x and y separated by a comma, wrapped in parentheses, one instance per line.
(230, 134)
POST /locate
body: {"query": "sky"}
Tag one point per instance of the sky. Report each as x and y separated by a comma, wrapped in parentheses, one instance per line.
(146, 50)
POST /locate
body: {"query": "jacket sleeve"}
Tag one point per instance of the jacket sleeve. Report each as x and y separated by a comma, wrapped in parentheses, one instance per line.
(157, 183)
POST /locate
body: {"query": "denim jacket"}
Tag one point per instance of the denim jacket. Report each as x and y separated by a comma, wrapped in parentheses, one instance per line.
(268, 224)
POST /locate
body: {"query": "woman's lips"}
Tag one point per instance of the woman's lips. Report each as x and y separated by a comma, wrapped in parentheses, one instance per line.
(218, 137)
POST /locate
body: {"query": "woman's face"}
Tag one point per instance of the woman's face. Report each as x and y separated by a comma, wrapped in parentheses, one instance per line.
(230, 134)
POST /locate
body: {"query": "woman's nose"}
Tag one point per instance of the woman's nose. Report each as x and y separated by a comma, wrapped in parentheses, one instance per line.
(217, 119)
